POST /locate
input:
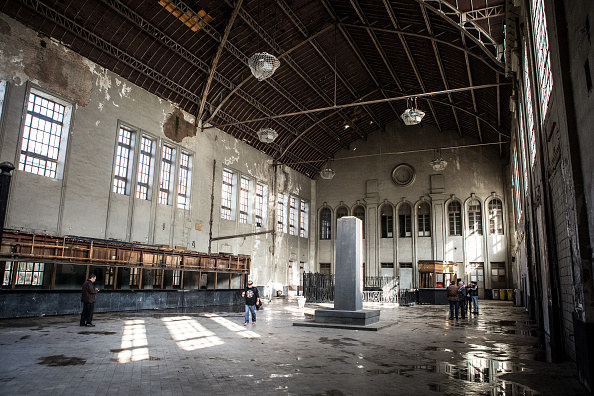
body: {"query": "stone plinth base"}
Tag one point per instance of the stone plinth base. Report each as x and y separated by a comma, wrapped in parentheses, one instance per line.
(359, 318)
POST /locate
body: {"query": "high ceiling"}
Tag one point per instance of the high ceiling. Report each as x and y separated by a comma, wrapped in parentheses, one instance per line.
(332, 52)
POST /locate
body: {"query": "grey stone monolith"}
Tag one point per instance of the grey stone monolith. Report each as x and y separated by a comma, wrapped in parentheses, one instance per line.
(348, 285)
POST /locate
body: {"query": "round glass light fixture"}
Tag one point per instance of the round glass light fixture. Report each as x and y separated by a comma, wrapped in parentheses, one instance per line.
(327, 172)
(263, 65)
(438, 164)
(267, 135)
(412, 115)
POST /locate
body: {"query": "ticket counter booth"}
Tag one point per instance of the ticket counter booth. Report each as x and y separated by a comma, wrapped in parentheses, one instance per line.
(434, 278)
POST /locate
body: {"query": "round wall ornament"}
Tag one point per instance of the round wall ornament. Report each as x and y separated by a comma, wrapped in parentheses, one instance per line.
(403, 175)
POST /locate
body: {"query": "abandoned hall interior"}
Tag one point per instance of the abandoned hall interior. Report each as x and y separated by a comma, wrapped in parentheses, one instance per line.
(178, 148)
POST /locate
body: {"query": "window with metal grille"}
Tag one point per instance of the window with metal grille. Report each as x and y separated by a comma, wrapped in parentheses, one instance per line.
(325, 224)
(157, 279)
(244, 194)
(44, 135)
(304, 219)
(387, 217)
(110, 276)
(404, 221)
(516, 185)
(145, 169)
(227, 194)
(176, 281)
(359, 212)
(260, 208)
(341, 212)
(293, 213)
(167, 170)
(424, 219)
(7, 274)
(543, 56)
(183, 183)
(123, 168)
(475, 220)
(281, 213)
(528, 108)
(30, 274)
(496, 217)
(455, 218)
(134, 277)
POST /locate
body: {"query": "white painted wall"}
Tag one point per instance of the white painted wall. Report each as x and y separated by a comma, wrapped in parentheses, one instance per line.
(82, 202)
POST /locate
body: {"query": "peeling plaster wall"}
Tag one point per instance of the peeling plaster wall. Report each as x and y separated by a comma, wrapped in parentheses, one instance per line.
(82, 203)
(470, 170)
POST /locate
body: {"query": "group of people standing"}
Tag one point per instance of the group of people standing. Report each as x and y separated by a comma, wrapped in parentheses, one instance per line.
(462, 298)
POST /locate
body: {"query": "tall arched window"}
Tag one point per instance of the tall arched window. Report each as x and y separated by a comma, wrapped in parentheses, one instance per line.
(424, 219)
(359, 212)
(475, 218)
(496, 217)
(341, 212)
(455, 218)
(325, 223)
(387, 221)
(404, 224)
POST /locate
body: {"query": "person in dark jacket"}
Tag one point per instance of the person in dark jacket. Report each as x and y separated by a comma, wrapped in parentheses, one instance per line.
(88, 298)
(453, 299)
(252, 297)
(462, 298)
(474, 297)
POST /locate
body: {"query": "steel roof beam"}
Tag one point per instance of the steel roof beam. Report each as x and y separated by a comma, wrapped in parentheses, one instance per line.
(464, 30)
(474, 103)
(492, 66)
(411, 60)
(270, 41)
(162, 37)
(440, 66)
(215, 61)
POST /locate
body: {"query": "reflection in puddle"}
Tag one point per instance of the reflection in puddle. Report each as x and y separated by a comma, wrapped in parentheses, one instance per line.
(474, 370)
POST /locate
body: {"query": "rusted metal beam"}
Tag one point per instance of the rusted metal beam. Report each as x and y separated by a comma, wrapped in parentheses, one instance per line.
(460, 27)
(494, 66)
(375, 101)
(217, 56)
(410, 57)
(440, 66)
(241, 235)
(474, 104)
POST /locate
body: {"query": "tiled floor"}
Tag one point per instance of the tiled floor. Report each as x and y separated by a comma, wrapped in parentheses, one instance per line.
(172, 353)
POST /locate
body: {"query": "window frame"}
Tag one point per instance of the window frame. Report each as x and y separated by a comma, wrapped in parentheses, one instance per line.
(184, 180)
(303, 219)
(281, 213)
(293, 216)
(387, 229)
(244, 199)
(475, 217)
(145, 171)
(496, 225)
(455, 219)
(260, 204)
(404, 221)
(325, 224)
(166, 187)
(228, 197)
(423, 219)
(66, 125)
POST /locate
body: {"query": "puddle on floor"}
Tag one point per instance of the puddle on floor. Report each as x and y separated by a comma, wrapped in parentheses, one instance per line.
(61, 360)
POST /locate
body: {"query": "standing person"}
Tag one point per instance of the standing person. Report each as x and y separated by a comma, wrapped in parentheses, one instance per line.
(462, 298)
(252, 298)
(268, 291)
(88, 298)
(474, 297)
(452, 291)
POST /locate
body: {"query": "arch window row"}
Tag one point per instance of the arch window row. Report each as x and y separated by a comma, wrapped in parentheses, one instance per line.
(474, 215)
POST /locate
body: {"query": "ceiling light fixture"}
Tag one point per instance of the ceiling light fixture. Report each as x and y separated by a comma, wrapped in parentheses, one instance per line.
(412, 115)
(263, 65)
(438, 164)
(327, 172)
(267, 135)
